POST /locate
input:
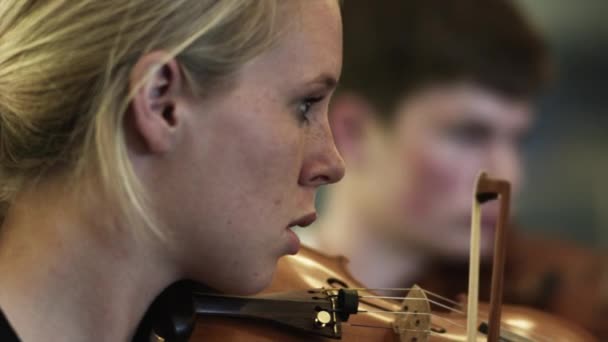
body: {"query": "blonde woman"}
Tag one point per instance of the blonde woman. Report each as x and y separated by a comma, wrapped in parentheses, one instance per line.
(142, 142)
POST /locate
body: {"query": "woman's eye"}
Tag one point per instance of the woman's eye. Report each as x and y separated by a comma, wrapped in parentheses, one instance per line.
(305, 106)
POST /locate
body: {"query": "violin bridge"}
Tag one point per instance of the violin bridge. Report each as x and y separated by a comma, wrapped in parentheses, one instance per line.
(414, 321)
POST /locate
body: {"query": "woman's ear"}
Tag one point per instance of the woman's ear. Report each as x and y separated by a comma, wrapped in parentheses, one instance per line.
(158, 85)
(350, 117)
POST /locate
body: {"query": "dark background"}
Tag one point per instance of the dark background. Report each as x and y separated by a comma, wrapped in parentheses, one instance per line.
(566, 193)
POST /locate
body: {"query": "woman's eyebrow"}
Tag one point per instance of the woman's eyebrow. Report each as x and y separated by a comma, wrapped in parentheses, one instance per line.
(327, 80)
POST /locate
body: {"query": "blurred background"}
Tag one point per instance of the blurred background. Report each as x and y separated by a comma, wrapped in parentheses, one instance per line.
(566, 194)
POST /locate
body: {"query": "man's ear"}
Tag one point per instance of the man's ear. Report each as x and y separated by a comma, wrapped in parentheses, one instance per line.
(158, 85)
(350, 117)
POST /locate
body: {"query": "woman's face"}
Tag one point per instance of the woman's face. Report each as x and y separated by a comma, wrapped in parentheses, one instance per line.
(255, 154)
(443, 137)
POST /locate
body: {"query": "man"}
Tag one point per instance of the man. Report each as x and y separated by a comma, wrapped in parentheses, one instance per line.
(432, 93)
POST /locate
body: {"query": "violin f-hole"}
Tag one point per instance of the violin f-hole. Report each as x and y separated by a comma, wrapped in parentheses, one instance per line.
(334, 281)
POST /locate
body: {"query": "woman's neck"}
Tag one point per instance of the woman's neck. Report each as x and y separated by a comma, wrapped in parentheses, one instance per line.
(73, 272)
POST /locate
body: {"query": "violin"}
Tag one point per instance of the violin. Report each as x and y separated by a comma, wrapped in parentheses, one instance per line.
(280, 313)
(313, 298)
(560, 277)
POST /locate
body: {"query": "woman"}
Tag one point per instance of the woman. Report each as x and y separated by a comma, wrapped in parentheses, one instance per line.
(144, 142)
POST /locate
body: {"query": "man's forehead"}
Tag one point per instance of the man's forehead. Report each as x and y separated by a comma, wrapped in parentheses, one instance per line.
(464, 102)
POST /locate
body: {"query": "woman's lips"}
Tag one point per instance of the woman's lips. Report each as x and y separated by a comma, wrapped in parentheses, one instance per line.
(294, 240)
(304, 221)
(293, 246)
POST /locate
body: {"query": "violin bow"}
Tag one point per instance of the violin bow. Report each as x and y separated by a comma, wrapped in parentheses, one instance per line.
(487, 189)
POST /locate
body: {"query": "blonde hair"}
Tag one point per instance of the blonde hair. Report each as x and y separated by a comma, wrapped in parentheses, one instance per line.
(64, 80)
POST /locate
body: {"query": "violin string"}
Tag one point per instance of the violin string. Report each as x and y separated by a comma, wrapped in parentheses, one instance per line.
(406, 313)
(481, 317)
(429, 293)
(434, 315)
(417, 299)
(453, 302)
(535, 336)
(481, 314)
(427, 331)
(366, 325)
(406, 289)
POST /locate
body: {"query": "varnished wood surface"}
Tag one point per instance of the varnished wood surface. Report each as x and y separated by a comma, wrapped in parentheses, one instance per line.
(310, 269)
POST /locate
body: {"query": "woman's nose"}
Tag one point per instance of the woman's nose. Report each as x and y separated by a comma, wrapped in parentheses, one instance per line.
(325, 165)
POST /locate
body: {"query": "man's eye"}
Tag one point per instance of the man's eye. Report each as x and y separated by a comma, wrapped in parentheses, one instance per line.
(470, 134)
(305, 106)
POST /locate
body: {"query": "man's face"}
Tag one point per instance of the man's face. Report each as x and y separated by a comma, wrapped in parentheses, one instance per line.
(442, 137)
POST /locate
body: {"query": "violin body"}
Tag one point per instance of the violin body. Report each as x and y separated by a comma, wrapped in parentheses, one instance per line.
(313, 298)
(561, 278)
(312, 270)
(553, 276)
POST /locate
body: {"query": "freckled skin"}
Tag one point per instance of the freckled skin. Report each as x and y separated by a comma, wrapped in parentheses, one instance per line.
(250, 166)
